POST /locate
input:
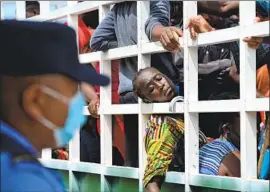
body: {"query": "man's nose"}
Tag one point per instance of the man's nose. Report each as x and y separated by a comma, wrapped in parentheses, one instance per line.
(159, 84)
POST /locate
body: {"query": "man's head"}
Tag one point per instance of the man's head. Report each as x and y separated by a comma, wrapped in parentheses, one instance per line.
(39, 86)
(32, 8)
(24, 103)
(153, 86)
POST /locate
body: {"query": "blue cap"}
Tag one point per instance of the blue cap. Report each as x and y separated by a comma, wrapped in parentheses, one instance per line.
(29, 48)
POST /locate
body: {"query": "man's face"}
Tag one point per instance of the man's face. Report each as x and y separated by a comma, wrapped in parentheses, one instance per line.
(37, 104)
(155, 86)
(31, 12)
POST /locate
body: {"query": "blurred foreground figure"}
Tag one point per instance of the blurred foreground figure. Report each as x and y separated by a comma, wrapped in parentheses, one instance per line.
(40, 104)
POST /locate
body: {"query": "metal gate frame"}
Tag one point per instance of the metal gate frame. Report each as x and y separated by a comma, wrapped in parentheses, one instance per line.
(247, 105)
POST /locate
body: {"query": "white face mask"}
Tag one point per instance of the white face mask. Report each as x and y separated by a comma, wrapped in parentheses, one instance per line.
(75, 118)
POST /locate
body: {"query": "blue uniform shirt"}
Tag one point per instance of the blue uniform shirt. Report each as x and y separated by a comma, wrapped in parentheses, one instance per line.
(25, 176)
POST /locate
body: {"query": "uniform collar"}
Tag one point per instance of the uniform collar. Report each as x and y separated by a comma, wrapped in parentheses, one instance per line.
(16, 136)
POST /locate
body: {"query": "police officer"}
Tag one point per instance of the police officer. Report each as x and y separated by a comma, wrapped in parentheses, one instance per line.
(40, 103)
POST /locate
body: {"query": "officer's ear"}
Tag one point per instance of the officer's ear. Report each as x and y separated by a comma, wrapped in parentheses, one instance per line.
(33, 100)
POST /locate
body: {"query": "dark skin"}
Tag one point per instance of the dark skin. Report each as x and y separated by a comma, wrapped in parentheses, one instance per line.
(154, 86)
(221, 8)
(32, 11)
(23, 103)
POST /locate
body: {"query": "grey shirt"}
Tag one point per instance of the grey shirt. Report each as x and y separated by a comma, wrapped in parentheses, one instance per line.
(119, 28)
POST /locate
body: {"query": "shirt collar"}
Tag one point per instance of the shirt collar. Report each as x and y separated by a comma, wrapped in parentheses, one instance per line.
(16, 136)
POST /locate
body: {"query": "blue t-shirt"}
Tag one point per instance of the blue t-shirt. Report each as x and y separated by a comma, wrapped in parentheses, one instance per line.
(25, 176)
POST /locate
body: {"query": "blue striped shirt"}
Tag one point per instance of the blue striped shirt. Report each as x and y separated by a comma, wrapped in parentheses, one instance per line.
(212, 154)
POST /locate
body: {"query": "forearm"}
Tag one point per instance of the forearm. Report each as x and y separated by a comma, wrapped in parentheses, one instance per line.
(104, 37)
(157, 32)
(101, 44)
(159, 17)
(89, 92)
(221, 8)
(155, 184)
(207, 68)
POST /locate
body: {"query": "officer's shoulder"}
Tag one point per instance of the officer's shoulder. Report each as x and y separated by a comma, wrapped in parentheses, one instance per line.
(26, 175)
(29, 181)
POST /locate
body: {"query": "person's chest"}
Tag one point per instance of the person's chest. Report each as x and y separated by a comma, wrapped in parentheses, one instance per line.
(126, 23)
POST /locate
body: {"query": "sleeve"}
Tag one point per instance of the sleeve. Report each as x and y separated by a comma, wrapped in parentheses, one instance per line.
(207, 68)
(104, 37)
(27, 181)
(263, 7)
(159, 15)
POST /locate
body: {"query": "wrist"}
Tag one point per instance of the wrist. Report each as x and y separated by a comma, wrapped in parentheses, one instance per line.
(157, 32)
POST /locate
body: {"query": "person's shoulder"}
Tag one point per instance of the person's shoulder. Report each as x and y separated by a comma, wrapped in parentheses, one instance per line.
(27, 176)
(27, 181)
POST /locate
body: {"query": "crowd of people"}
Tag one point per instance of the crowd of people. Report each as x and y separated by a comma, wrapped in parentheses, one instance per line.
(218, 69)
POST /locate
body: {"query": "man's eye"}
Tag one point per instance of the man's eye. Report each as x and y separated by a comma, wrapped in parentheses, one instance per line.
(158, 77)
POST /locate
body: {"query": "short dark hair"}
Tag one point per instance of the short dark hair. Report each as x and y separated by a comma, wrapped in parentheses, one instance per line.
(32, 6)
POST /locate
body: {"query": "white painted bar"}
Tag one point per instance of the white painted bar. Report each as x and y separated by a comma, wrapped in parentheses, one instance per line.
(112, 54)
(20, 10)
(105, 120)
(90, 57)
(44, 7)
(2, 10)
(247, 105)
(215, 106)
(76, 9)
(161, 108)
(74, 145)
(215, 37)
(247, 91)
(261, 104)
(191, 95)
(143, 11)
(231, 34)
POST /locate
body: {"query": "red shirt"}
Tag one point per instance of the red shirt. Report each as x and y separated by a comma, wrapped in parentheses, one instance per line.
(85, 35)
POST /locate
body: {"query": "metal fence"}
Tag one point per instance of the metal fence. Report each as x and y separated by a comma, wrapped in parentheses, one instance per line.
(247, 105)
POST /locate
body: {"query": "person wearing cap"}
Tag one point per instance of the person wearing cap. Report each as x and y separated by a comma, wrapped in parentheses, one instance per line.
(40, 103)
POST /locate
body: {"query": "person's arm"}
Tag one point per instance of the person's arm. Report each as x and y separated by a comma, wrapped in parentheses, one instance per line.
(230, 166)
(221, 8)
(155, 184)
(207, 68)
(157, 26)
(104, 37)
(159, 17)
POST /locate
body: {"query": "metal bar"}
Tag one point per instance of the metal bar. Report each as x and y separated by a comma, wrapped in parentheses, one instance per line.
(191, 95)
(143, 11)
(105, 120)
(2, 16)
(76, 9)
(20, 10)
(247, 91)
(44, 7)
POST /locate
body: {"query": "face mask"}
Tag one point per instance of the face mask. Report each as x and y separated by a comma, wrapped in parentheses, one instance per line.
(75, 118)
